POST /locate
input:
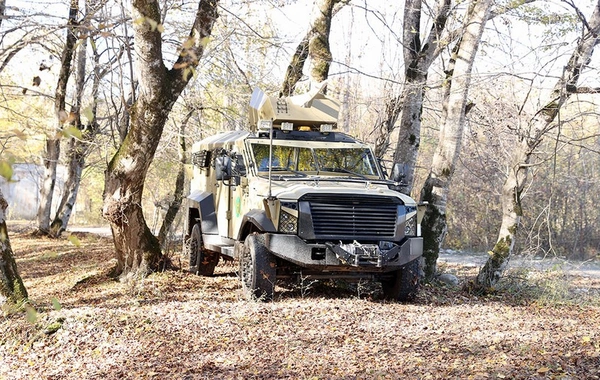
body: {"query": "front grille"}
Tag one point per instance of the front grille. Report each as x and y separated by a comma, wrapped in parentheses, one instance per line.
(346, 217)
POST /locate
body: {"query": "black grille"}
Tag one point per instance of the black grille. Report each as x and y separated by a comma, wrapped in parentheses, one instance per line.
(353, 216)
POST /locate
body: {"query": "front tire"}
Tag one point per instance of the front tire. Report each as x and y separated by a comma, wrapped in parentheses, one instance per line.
(404, 285)
(258, 269)
(200, 261)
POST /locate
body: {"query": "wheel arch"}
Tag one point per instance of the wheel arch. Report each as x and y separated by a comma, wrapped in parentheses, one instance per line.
(201, 208)
(255, 221)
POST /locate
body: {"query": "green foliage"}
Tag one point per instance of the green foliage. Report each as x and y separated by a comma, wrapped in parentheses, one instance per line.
(557, 23)
(74, 240)
(54, 326)
(6, 170)
(72, 131)
(55, 304)
(31, 314)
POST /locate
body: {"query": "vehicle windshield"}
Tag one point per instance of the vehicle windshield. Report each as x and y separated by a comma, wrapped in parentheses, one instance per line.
(350, 161)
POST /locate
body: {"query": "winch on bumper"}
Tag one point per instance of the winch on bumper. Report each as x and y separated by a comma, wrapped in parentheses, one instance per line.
(331, 256)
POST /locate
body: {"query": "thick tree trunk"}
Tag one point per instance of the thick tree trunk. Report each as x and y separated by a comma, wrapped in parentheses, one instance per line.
(319, 51)
(11, 285)
(52, 153)
(409, 135)
(137, 249)
(293, 73)
(315, 45)
(542, 123)
(436, 187)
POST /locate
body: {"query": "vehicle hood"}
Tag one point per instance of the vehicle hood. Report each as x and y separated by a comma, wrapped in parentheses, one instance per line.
(293, 190)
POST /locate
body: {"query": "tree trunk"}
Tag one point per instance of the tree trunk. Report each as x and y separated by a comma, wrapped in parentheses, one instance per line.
(76, 152)
(11, 285)
(319, 51)
(293, 73)
(315, 45)
(2, 10)
(409, 105)
(539, 126)
(76, 162)
(175, 204)
(136, 248)
(51, 156)
(435, 190)
(52, 153)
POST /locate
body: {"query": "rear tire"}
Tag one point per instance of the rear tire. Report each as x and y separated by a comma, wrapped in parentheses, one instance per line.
(258, 269)
(404, 285)
(200, 261)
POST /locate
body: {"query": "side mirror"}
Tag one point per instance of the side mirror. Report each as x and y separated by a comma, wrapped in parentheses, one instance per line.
(239, 167)
(399, 172)
(223, 167)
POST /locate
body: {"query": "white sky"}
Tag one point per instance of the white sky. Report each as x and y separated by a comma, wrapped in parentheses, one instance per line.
(360, 39)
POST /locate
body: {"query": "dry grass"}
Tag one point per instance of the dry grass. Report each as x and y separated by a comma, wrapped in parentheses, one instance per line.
(175, 325)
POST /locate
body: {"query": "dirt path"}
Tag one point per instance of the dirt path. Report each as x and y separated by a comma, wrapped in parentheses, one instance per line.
(589, 268)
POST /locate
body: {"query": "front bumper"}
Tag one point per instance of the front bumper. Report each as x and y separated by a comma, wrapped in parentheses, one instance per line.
(353, 257)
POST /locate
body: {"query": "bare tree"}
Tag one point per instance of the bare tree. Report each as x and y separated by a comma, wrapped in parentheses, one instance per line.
(83, 135)
(543, 121)
(52, 152)
(436, 187)
(419, 54)
(418, 57)
(175, 203)
(137, 249)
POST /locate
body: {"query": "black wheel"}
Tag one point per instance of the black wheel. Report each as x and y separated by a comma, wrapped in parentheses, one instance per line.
(404, 284)
(257, 269)
(201, 261)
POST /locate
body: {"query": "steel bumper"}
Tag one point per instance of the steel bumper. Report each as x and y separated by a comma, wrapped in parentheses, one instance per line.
(344, 257)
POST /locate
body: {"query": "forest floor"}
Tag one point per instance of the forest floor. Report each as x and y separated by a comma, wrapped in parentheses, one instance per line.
(538, 324)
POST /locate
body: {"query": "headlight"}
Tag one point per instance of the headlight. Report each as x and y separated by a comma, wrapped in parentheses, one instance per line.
(288, 218)
(410, 226)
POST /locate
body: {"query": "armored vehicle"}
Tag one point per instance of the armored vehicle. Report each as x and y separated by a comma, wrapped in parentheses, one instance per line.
(295, 197)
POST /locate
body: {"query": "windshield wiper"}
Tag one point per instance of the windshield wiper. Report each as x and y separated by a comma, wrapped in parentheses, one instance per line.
(279, 170)
(342, 170)
(296, 172)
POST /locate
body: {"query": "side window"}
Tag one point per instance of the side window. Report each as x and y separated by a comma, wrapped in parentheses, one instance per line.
(261, 156)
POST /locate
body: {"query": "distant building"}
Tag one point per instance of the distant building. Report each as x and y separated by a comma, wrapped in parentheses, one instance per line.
(23, 191)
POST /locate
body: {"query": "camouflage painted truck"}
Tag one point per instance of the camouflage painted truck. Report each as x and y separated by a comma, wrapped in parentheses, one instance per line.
(295, 197)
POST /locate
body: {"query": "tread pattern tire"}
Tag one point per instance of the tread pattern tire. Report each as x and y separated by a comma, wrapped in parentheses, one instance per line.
(404, 285)
(200, 261)
(258, 269)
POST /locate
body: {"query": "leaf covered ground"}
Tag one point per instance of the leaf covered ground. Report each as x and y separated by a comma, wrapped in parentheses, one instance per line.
(84, 324)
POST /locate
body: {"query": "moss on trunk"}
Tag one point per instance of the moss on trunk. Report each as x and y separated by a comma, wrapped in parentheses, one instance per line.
(491, 272)
(11, 286)
(433, 231)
